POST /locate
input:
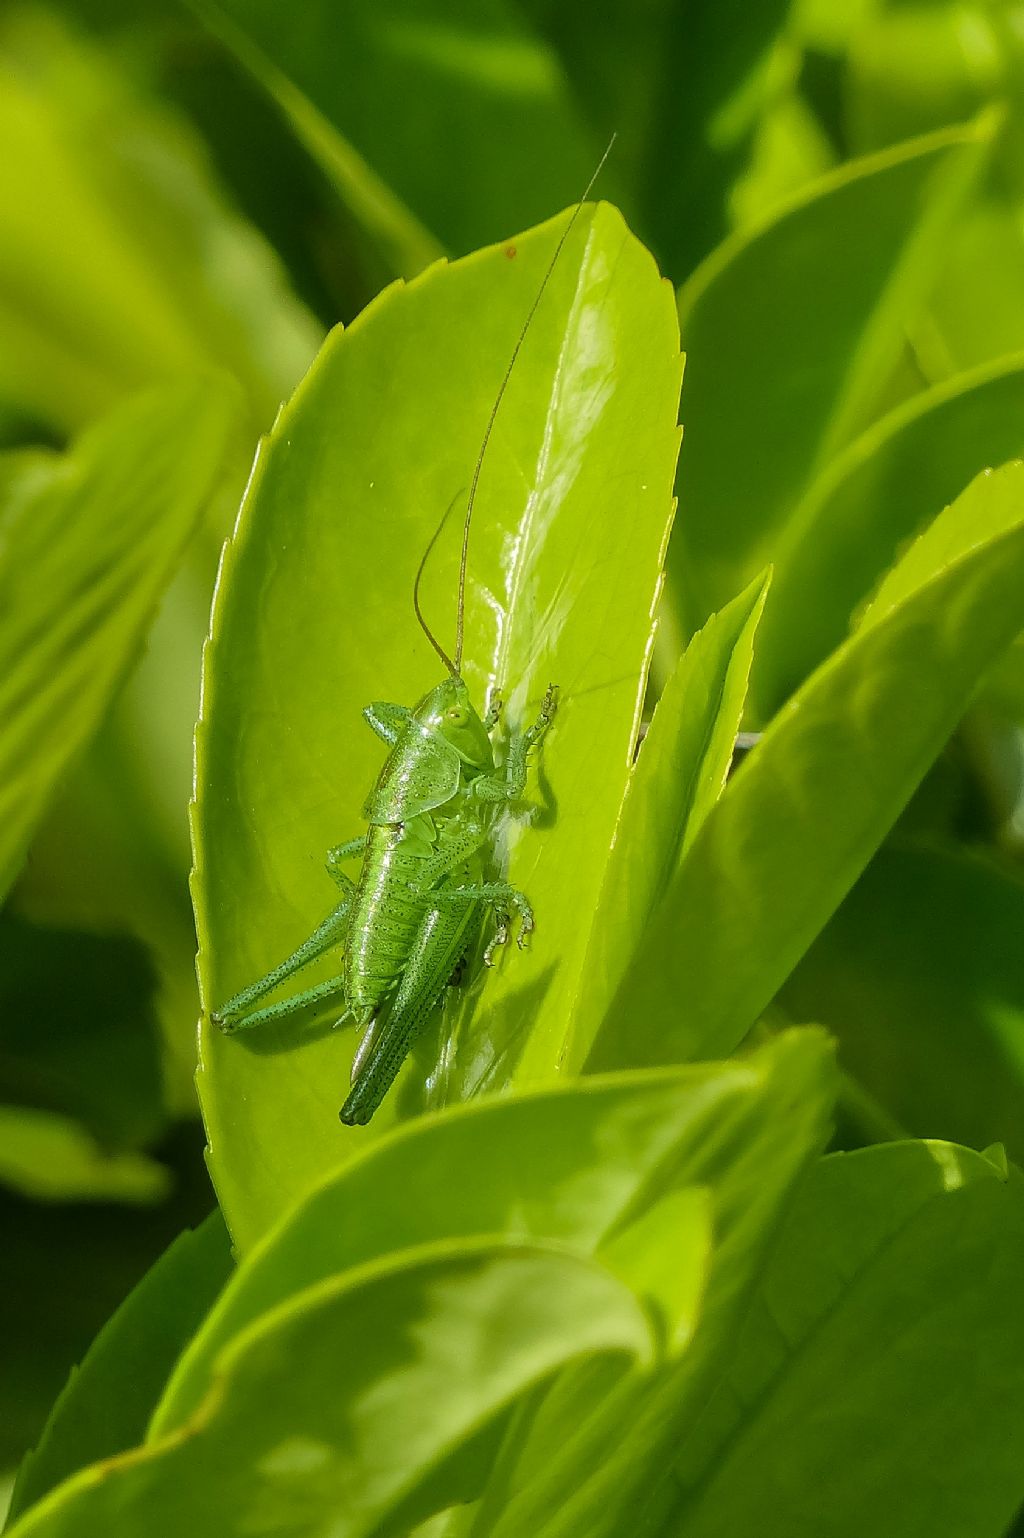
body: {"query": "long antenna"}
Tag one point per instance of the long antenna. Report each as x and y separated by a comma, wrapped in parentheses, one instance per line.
(463, 562)
(431, 637)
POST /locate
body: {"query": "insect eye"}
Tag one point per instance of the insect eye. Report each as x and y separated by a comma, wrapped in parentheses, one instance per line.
(456, 713)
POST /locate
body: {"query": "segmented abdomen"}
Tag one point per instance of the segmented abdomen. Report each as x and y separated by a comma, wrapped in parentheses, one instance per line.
(386, 914)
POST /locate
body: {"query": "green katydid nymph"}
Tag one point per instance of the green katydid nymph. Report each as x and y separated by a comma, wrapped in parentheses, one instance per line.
(406, 922)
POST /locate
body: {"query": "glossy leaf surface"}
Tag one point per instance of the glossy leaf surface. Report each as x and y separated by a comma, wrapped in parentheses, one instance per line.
(600, 1465)
(679, 774)
(314, 620)
(589, 1160)
(808, 809)
(400, 1366)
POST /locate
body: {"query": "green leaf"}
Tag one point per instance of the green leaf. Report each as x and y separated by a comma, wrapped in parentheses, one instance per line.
(807, 810)
(154, 277)
(77, 1030)
(400, 1366)
(685, 98)
(585, 1156)
(314, 620)
(464, 67)
(714, 78)
(87, 543)
(602, 1464)
(852, 520)
(679, 774)
(50, 1158)
(107, 1401)
(791, 331)
(920, 973)
(876, 1386)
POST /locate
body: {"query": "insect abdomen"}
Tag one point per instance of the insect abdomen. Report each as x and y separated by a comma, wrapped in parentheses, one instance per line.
(385, 917)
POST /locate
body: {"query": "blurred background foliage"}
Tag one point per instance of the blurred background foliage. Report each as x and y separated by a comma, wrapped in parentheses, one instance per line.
(190, 195)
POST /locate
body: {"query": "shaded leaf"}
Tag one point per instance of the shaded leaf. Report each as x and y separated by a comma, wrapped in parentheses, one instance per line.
(467, 74)
(107, 1401)
(920, 974)
(876, 1385)
(791, 330)
(77, 1032)
(878, 493)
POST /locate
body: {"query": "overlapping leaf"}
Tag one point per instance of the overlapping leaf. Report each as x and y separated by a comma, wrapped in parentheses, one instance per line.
(876, 1386)
(678, 777)
(806, 812)
(108, 1399)
(791, 332)
(87, 543)
(866, 503)
(459, 66)
(401, 1365)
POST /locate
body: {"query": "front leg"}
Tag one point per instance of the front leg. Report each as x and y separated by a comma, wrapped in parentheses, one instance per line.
(510, 784)
(341, 852)
(386, 720)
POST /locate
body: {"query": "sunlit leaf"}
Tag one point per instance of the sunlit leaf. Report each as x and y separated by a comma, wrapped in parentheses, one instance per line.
(399, 1366)
(314, 620)
(679, 775)
(804, 814)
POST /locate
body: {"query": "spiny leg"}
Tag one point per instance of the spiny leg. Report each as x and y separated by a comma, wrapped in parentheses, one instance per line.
(501, 896)
(333, 987)
(502, 924)
(510, 784)
(340, 852)
(237, 1015)
(386, 720)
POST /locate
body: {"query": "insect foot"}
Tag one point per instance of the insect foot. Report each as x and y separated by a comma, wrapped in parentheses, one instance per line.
(549, 705)
(223, 1023)
(526, 929)
(499, 937)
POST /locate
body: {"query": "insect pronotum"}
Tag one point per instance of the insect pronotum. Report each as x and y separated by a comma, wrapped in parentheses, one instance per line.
(405, 923)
